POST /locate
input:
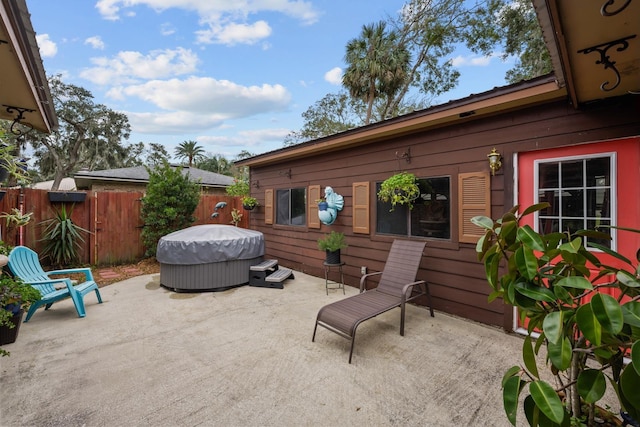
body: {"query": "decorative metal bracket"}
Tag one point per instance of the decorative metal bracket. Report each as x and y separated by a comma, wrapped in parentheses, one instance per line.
(286, 173)
(606, 61)
(20, 115)
(605, 12)
(405, 155)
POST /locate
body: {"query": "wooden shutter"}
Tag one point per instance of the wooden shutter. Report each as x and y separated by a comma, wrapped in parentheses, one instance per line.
(474, 193)
(360, 191)
(313, 220)
(268, 206)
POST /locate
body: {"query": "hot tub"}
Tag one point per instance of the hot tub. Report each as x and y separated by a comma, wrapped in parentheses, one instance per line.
(210, 257)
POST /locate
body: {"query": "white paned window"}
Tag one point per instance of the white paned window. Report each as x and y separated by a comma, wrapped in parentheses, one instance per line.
(581, 192)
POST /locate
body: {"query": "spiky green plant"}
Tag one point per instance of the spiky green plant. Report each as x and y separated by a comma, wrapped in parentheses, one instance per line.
(63, 238)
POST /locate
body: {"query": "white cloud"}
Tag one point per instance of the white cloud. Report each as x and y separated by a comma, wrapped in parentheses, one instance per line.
(47, 47)
(245, 139)
(471, 61)
(95, 42)
(334, 76)
(204, 95)
(130, 67)
(207, 9)
(233, 33)
(174, 122)
(224, 21)
(167, 29)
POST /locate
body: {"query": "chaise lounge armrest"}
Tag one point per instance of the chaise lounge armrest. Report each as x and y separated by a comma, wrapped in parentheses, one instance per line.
(364, 278)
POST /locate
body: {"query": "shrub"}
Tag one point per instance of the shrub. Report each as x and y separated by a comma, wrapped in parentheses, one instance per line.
(168, 205)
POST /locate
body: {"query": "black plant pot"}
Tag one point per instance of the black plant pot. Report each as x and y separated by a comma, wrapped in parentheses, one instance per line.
(67, 196)
(332, 257)
(2, 193)
(248, 208)
(9, 335)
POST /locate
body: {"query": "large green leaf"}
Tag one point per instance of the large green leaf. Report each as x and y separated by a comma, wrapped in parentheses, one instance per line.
(538, 293)
(535, 208)
(529, 357)
(547, 400)
(530, 238)
(627, 279)
(588, 324)
(560, 354)
(553, 326)
(511, 372)
(576, 282)
(608, 312)
(492, 269)
(631, 313)
(510, 394)
(527, 262)
(591, 385)
(572, 246)
(607, 250)
(483, 221)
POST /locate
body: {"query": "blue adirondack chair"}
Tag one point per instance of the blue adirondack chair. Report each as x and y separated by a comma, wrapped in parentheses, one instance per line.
(24, 263)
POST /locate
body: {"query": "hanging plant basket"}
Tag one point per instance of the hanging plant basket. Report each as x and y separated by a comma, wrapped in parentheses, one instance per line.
(399, 189)
(67, 196)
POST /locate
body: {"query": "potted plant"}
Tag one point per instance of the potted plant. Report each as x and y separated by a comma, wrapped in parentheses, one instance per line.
(554, 282)
(399, 189)
(322, 204)
(62, 238)
(332, 243)
(15, 297)
(248, 202)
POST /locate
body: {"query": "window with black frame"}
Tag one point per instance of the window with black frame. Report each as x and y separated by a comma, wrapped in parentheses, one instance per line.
(579, 192)
(291, 206)
(430, 216)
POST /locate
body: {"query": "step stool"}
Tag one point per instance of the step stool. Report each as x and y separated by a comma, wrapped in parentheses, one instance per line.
(259, 272)
(274, 280)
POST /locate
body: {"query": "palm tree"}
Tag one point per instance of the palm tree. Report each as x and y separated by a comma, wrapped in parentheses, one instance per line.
(377, 64)
(189, 150)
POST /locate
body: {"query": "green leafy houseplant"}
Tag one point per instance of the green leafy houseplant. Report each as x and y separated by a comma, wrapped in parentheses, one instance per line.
(62, 238)
(15, 295)
(554, 282)
(249, 202)
(332, 242)
(399, 189)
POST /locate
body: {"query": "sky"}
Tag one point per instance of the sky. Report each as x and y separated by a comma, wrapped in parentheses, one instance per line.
(233, 75)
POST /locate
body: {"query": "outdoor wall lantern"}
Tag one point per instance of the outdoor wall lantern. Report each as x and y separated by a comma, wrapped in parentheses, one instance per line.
(495, 162)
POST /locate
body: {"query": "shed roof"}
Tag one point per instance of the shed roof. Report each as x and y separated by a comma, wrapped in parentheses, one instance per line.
(139, 175)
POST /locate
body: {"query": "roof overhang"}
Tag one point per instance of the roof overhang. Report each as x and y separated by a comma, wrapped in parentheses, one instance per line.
(496, 101)
(24, 90)
(594, 46)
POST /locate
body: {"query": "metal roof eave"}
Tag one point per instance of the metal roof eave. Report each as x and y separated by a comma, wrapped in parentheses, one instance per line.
(499, 100)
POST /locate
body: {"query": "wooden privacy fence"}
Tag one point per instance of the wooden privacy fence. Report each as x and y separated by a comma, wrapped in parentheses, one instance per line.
(111, 217)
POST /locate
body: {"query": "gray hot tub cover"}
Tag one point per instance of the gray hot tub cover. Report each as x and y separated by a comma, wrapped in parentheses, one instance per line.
(202, 244)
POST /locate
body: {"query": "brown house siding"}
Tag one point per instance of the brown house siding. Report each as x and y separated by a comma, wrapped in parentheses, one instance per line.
(456, 277)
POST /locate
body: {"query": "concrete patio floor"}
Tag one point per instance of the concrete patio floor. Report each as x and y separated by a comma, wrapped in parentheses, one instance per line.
(244, 357)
